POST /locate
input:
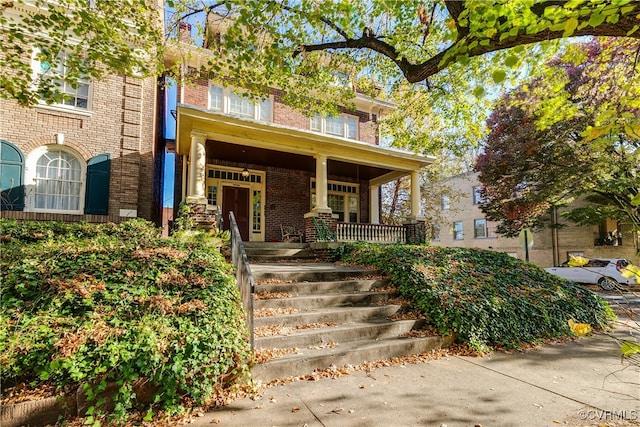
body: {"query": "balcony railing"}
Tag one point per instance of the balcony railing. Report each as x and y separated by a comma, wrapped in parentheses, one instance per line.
(370, 233)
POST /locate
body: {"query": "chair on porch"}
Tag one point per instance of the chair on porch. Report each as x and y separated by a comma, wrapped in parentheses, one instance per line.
(290, 234)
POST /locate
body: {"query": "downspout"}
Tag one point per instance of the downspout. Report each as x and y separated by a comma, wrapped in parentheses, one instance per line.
(554, 235)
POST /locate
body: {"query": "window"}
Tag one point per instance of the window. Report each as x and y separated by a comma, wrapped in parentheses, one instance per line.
(343, 126)
(457, 231)
(58, 180)
(76, 94)
(446, 202)
(257, 211)
(226, 101)
(477, 195)
(343, 199)
(480, 228)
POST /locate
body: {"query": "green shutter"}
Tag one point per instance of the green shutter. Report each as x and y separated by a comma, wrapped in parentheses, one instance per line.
(96, 200)
(11, 177)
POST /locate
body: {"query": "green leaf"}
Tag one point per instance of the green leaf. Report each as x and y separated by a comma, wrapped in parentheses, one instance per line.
(632, 30)
(511, 61)
(596, 19)
(498, 76)
(570, 26)
(478, 92)
(629, 348)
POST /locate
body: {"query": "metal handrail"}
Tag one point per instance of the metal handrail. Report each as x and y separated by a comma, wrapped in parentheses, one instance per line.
(244, 277)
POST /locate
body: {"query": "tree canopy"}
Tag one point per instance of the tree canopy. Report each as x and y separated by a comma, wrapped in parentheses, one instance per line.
(438, 59)
(573, 131)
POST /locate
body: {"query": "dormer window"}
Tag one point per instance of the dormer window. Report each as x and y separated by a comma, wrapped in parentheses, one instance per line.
(226, 101)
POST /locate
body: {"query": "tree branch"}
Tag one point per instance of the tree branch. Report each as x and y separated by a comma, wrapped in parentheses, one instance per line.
(416, 72)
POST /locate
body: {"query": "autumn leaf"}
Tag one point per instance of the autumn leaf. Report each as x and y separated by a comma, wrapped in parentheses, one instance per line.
(580, 329)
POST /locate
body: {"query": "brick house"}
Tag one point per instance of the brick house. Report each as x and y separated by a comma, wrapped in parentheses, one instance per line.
(463, 224)
(93, 157)
(274, 166)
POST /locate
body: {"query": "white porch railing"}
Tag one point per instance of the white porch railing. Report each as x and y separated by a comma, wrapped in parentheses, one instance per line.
(370, 233)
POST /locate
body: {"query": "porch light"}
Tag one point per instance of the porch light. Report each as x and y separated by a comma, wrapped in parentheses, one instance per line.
(245, 173)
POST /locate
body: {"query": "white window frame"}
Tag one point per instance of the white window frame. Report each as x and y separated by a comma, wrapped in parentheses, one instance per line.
(475, 194)
(346, 197)
(38, 74)
(30, 178)
(318, 123)
(476, 228)
(445, 202)
(229, 96)
(458, 234)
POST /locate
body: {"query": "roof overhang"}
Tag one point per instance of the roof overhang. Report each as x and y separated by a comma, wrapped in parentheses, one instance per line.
(269, 136)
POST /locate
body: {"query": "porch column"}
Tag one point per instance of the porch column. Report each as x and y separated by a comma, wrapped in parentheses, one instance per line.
(415, 195)
(322, 203)
(374, 204)
(197, 169)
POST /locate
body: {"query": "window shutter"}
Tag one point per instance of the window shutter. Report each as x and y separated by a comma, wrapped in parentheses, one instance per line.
(96, 199)
(11, 177)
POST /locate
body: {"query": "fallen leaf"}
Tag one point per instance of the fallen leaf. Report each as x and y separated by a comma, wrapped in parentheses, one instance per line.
(295, 409)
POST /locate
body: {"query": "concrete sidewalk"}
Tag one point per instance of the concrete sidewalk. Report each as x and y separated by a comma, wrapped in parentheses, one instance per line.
(580, 383)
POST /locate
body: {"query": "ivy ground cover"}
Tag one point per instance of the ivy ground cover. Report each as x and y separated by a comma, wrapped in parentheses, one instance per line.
(89, 305)
(488, 299)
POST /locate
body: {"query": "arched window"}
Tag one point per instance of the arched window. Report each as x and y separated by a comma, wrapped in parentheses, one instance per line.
(55, 180)
(58, 181)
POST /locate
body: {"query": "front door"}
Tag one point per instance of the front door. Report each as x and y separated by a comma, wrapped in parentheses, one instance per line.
(236, 199)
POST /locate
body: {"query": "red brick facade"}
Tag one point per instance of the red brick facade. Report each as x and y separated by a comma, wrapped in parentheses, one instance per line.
(121, 122)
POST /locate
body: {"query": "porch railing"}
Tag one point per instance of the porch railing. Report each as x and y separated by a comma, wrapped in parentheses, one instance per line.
(370, 233)
(244, 277)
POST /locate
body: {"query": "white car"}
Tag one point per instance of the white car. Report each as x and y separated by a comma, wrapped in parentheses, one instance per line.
(605, 272)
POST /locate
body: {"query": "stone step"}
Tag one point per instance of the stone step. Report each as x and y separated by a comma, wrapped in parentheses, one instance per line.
(274, 245)
(320, 301)
(306, 288)
(331, 314)
(374, 329)
(306, 272)
(306, 360)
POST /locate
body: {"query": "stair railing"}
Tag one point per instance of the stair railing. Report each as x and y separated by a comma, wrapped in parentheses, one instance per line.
(244, 277)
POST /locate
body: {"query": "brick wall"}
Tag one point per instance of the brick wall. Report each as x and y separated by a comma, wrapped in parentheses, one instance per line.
(287, 200)
(120, 123)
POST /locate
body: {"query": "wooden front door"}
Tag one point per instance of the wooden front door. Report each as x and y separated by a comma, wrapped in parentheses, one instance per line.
(236, 199)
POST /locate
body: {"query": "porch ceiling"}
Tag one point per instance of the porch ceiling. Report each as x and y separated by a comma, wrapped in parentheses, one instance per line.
(276, 145)
(249, 155)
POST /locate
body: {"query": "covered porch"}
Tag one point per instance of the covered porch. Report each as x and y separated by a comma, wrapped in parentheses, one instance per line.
(271, 175)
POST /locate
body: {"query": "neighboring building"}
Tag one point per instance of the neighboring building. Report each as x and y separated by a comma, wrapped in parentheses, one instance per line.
(92, 158)
(463, 224)
(273, 166)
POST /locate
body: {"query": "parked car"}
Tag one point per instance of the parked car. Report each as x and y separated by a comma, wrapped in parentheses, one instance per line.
(606, 272)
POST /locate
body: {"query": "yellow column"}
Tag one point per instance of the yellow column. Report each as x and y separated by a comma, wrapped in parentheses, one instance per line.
(415, 196)
(374, 204)
(197, 169)
(322, 204)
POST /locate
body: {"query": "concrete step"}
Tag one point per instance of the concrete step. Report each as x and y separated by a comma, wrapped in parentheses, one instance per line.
(320, 301)
(307, 288)
(276, 245)
(306, 360)
(306, 272)
(374, 329)
(331, 314)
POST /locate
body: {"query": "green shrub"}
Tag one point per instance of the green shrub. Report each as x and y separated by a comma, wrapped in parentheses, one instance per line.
(486, 298)
(92, 304)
